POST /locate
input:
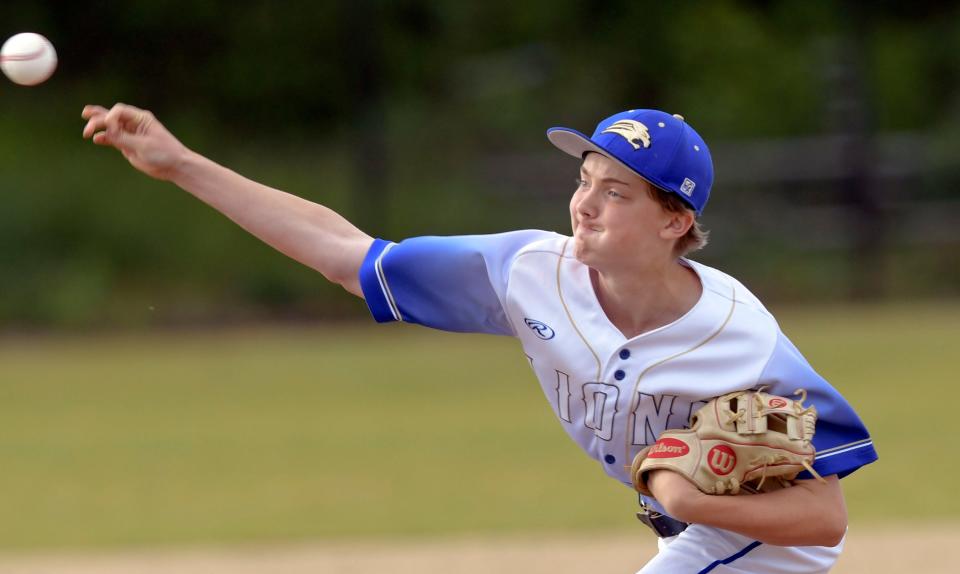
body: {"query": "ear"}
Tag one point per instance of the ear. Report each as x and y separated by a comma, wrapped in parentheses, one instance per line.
(677, 224)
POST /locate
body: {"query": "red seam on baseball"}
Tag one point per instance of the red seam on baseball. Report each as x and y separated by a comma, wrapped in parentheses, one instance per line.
(24, 57)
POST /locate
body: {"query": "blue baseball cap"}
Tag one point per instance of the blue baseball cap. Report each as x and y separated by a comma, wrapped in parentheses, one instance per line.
(661, 148)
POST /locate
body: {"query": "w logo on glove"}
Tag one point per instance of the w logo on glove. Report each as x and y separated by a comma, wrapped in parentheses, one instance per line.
(722, 459)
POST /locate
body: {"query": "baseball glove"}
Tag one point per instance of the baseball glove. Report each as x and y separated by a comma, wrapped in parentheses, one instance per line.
(742, 442)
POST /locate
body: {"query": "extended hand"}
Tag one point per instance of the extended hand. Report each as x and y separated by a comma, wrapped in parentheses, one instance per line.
(143, 140)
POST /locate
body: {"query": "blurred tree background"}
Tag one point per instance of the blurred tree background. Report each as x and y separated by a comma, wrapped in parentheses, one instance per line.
(835, 129)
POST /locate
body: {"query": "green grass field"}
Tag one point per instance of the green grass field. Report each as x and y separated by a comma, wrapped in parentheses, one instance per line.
(293, 434)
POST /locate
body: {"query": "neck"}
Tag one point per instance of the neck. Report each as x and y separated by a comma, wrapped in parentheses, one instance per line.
(640, 300)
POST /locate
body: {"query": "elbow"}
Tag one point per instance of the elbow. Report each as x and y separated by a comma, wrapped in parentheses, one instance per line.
(828, 537)
(834, 513)
(833, 531)
(349, 281)
(825, 532)
(340, 264)
(829, 529)
(820, 515)
(827, 511)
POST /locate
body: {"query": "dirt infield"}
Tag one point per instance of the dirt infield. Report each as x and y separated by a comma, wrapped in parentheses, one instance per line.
(878, 550)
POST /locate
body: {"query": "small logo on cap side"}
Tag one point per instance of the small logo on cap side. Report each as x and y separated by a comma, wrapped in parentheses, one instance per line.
(687, 186)
(632, 131)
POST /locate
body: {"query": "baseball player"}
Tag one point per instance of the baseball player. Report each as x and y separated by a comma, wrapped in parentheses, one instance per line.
(627, 336)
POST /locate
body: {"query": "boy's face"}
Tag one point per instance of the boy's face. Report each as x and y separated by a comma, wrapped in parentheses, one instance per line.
(615, 220)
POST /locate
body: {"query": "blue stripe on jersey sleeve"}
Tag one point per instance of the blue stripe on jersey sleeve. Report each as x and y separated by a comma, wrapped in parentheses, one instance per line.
(450, 283)
(841, 440)
(373, 292)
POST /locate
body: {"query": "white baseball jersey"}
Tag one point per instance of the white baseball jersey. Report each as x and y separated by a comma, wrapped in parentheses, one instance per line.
(612, 395)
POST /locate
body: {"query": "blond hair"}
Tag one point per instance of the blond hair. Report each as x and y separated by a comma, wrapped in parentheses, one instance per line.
(696, 237)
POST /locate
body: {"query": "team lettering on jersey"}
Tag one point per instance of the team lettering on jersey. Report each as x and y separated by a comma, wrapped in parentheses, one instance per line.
(601, 410)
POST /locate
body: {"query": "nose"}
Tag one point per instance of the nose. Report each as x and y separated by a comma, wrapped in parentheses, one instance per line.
(587, 204)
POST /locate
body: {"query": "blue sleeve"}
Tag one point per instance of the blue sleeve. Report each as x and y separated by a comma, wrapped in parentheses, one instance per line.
(450, 283)
(841, 440)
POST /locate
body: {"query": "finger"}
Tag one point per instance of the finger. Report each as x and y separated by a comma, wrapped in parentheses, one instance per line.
(95, 123)
(123, 114)
(105, 135)
(111, 123)
(124, 138)
(100, 138)
(90, 110)
(115, 138)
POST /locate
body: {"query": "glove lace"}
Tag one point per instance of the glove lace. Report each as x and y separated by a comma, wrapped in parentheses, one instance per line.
(810, 469)
(770, 459)
(798, 405)
(733, 417)
(766, 460)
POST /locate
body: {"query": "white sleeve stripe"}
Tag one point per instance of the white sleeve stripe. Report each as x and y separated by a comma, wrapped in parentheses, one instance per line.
(382, 279)
(846, 445)
(846, 448)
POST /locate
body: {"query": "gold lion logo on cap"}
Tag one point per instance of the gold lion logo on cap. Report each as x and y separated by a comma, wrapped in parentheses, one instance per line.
(632, 131)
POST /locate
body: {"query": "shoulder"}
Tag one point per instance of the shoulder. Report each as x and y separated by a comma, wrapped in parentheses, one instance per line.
(490, 247)
(544, 242)
(510, 243)
(539, 241)
(504, 250)
(720, 285)
(749, 331)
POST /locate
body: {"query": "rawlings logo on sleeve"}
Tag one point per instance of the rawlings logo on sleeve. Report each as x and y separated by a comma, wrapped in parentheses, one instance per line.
(540, 329)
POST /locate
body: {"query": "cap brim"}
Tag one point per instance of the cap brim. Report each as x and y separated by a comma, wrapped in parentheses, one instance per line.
(572, 142)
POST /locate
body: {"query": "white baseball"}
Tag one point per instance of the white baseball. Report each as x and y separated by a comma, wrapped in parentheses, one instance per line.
(28, 59)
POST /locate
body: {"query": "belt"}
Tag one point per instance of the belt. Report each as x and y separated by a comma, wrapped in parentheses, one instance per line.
(662, 525)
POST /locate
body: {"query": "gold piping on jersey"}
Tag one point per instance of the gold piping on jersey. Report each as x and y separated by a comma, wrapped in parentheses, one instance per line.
(632, 415)
(570, 317)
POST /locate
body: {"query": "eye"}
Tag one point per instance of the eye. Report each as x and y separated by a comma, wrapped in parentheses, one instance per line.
(613, 193)
(580, 182)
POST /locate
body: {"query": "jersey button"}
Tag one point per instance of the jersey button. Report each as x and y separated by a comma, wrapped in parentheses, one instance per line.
(619, 375)
(624, 354)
